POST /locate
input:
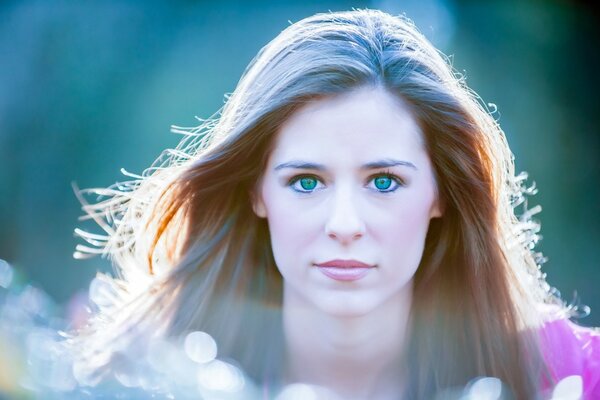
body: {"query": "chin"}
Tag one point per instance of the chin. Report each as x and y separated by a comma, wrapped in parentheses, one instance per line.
(346, 305)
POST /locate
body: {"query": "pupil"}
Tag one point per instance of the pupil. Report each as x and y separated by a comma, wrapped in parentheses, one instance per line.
(383, 182)
(308, 183)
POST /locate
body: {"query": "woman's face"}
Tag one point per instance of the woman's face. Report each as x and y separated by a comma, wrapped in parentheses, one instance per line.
(348, 194)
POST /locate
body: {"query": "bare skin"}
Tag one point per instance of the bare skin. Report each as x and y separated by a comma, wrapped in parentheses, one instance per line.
(356, 357)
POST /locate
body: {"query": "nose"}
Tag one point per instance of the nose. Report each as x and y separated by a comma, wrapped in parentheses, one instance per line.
(344, 223)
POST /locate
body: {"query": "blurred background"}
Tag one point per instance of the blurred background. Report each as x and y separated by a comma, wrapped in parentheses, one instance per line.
(90, 87)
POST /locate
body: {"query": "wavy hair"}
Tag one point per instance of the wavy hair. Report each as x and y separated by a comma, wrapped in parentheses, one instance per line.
(190, 253)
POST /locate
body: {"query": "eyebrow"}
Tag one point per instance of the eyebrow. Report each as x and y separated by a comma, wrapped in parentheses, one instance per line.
(384, 163)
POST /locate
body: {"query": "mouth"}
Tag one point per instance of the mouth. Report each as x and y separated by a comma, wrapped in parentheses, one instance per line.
(345, 270)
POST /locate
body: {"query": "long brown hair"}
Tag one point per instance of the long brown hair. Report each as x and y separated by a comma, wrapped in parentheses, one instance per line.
(187, 244)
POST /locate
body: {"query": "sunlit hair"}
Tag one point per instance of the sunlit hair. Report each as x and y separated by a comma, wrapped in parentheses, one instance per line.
(191, 254)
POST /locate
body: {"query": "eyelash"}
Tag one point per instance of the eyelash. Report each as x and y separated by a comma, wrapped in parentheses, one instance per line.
(399, 181)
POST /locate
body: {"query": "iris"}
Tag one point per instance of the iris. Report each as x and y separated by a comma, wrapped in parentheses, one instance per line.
(383, 182)
(308, 183)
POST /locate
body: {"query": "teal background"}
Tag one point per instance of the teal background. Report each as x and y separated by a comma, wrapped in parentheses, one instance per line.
(89, 87)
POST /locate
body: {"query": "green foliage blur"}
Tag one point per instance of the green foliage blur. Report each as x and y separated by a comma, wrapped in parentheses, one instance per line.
(90, 87)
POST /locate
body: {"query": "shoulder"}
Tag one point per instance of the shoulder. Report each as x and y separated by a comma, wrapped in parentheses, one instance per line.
(572, 350)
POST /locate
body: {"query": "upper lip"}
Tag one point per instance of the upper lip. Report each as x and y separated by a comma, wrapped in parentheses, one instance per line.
(345, 264)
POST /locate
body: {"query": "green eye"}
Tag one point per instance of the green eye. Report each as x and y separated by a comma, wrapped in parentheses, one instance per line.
(308, 183)
(304, 183)
(383, 182)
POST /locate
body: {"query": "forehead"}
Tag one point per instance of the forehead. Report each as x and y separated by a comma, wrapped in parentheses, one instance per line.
(359, 125)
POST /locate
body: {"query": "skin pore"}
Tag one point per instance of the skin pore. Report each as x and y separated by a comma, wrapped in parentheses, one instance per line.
(349, 179)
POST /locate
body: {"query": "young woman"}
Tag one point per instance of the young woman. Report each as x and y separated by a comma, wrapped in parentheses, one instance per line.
(346, 222)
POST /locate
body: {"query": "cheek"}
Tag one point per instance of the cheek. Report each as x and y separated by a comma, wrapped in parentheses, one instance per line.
(287, 232)
(290, 242)
(404, 231)
(410, 221)
(291, 230)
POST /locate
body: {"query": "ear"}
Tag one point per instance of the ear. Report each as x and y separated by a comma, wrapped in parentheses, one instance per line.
(437, 208)
(258, 205)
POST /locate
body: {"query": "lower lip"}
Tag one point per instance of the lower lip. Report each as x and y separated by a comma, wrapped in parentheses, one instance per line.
(344, 274)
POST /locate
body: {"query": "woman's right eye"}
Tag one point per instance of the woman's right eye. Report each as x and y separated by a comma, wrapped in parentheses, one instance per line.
(305, 183)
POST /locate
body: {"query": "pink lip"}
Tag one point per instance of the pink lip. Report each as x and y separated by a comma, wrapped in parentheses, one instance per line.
(344, 270)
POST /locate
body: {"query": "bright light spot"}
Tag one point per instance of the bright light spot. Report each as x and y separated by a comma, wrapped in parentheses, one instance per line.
(128, 380)
(101, 293)
(6, 274)
(298, 391)
(221, 376)
(48, 361)
(569, 388)
(60, 375)
(84, 374)
(40, 343)
(200, 347)
(486, 388)
(129, 373)
(34, 301)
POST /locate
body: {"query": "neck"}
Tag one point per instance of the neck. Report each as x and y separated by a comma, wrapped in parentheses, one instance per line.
(354, 356)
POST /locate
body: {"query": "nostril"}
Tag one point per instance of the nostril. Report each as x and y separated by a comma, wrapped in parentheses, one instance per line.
(340, 236)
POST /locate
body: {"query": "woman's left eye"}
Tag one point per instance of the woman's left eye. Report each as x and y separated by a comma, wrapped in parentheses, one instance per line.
(385, 183)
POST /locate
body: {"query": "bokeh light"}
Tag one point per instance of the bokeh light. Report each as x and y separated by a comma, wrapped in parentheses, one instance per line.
(200, 347)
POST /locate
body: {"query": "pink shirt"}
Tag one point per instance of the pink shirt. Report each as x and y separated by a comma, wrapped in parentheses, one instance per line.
(570, 349)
